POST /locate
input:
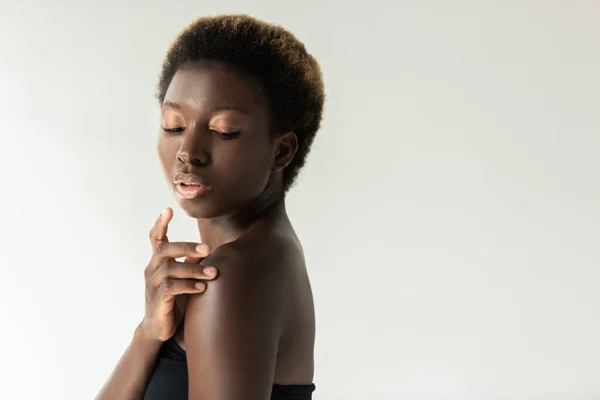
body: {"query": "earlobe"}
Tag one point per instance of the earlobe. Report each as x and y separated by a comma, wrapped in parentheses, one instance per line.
(287, 147)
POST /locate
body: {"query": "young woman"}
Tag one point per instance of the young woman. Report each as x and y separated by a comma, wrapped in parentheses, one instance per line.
(241, 101)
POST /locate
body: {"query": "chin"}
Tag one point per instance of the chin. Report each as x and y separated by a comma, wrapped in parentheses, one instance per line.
(199, 207)
(196, 209)
(202, 208)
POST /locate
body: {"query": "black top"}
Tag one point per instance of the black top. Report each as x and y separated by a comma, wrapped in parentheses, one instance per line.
(170, 378)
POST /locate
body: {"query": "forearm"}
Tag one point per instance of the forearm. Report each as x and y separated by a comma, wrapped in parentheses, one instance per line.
(129, 378)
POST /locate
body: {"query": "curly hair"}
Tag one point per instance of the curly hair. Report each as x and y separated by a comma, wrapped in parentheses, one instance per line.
(290, 77)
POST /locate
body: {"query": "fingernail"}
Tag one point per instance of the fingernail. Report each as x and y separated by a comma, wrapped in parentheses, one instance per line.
(200, 285)
(210, 271)
(201, 249)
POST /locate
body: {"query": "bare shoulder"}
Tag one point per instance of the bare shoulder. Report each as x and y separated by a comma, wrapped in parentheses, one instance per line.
(250, 258)
(259, 255)
(253, 274)
(232, 331)
(257, 315)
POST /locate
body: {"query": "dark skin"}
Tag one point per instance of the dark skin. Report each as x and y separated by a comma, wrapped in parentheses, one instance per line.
(254, 325)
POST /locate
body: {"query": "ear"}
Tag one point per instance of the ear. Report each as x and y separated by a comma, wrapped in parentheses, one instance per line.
(286, 146)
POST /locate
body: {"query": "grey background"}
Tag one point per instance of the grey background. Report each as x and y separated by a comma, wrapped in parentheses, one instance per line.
(449, 209)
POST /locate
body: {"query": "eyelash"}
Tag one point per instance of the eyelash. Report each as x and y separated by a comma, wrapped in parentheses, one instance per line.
(223, 135)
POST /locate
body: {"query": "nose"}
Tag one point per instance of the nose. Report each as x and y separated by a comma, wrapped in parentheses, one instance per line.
(194, 148)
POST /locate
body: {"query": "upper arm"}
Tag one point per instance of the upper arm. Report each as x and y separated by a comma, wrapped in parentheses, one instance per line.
(232, 333)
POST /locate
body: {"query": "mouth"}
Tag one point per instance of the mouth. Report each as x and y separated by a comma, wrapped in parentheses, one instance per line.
(190, 191)
(190, 186)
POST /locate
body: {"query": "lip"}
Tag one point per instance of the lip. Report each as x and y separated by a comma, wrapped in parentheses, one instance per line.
(190, 186)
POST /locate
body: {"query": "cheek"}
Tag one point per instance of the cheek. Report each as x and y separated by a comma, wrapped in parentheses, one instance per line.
(166, 155)
(246, 166)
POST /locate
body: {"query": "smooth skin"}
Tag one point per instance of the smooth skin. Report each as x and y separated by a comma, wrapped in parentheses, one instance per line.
(254, 325)
(166, 279)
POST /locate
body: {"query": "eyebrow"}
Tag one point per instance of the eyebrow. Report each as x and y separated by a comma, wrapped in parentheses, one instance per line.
(177, 106)
(170, 104)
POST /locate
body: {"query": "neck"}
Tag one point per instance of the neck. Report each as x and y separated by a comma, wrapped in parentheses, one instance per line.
(224, 229)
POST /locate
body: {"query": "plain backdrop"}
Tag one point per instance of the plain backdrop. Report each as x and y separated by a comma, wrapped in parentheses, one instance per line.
(449, 209)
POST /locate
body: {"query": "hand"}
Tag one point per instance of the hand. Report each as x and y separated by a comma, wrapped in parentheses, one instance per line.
(167, 278)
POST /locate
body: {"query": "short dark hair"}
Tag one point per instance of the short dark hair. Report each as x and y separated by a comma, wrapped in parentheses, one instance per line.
(291, 77)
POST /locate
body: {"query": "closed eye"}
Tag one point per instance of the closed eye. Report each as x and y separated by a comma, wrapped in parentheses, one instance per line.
(223, 135)
(173, 130)
(226, 135)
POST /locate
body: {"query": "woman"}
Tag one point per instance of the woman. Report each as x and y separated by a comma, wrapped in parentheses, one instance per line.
(241, 101)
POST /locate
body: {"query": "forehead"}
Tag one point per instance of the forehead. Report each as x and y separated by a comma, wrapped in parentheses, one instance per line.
(199, 87)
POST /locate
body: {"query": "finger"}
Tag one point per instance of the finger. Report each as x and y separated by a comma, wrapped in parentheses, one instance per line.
(165, 251)
(193, 259)
(158, 233)
(181, 249)
(172, 287)
(180, 270)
